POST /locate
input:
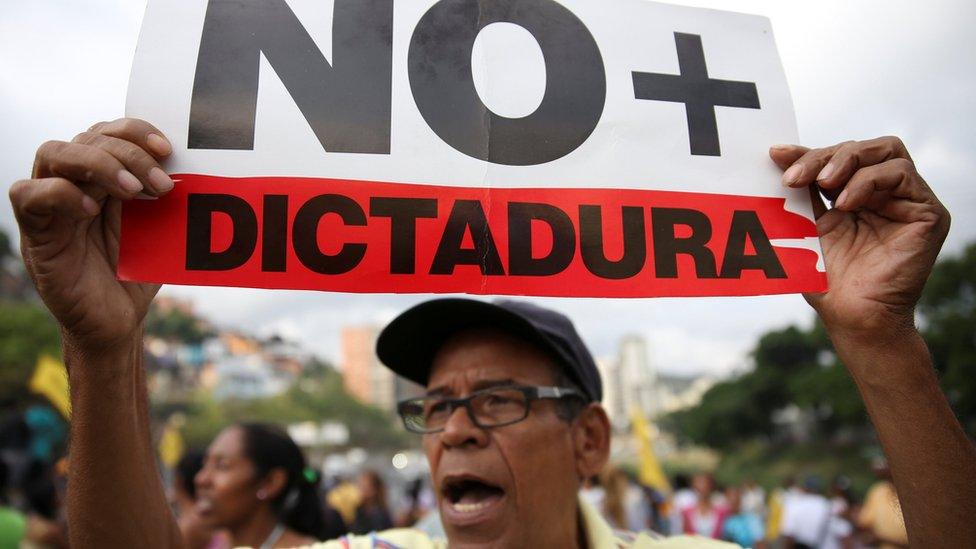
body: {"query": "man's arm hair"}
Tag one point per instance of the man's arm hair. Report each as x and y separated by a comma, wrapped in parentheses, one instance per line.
(115, 494)
(932, 461)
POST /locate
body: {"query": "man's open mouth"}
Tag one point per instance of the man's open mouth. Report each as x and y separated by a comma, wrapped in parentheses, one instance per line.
(470, 495)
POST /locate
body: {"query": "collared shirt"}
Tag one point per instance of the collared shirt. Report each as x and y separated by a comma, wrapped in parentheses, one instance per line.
(599, 535)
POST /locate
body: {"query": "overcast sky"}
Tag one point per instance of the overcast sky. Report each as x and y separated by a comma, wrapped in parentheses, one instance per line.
(856, 70)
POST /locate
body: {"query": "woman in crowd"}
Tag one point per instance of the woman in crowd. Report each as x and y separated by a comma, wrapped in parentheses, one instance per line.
(197, 533)
(373, 514)
(741, 526)
(707, 516)
(614, 506)
(255, 484)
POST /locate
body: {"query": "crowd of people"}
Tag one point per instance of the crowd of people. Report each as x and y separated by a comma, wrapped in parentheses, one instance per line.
(254, 473)
(805, 514)
(33, 477)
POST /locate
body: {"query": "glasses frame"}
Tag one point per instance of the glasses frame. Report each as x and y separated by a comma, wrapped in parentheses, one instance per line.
(532, 393)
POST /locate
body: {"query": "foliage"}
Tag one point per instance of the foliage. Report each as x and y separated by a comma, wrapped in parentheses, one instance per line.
(319, 398)
(797, 367)
(6, 248)
(948, 318)
(176, 325)
(26, 331)
(769, 465)
(791, 366)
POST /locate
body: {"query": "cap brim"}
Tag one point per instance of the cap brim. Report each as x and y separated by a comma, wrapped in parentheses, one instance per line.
(410, 342)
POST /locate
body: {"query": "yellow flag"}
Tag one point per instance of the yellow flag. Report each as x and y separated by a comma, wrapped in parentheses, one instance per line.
(50, 380)
(171, 445)
(649, 473)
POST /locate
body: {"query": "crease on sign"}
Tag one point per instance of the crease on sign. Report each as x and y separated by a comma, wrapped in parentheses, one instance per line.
(798, 202)
(483, 68)
(486, 140)
(811, 243)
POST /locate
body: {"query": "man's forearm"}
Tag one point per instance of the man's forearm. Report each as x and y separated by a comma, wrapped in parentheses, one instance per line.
(933, 463)
(115, 495)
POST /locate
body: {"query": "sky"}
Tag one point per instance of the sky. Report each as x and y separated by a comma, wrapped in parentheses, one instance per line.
(856, 70)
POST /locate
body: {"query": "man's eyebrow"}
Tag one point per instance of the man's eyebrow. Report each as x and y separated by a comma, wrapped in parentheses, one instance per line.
(489, 383)
(443, 390)
(439, 391)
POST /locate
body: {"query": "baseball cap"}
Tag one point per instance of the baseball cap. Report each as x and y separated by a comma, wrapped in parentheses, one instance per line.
(410, 342)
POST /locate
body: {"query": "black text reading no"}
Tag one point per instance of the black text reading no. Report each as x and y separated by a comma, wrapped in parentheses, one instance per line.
(347, 102)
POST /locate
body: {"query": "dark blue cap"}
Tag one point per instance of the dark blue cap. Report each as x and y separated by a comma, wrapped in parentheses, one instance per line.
(410, 342)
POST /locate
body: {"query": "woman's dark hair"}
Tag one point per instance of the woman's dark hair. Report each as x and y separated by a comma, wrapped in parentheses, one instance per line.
(379, 497)
(297, 506)
(187, 469)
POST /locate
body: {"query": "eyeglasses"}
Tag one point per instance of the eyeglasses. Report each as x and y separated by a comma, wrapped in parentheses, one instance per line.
(493, 407)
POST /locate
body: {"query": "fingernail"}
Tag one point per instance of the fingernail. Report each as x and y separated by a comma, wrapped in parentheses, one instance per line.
(89, 205)
(781, 147)
(841, 199)
(129, 182)
(161, 182)
(791, 175)
(159, 144)
(826, 172)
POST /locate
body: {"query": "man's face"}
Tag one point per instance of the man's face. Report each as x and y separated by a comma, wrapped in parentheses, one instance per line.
(507, 486)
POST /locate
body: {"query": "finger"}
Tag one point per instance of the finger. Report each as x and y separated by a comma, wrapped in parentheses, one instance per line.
(86, 164)
(853, 155)
(785, 155)
(36, 202)
(137, 131)
(136, 160)
(897, 177)
(804, 170)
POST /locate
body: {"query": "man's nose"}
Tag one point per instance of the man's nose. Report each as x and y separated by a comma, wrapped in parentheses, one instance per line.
(460, 430)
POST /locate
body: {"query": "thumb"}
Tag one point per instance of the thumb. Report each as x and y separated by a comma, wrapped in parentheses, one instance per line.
(785, 155)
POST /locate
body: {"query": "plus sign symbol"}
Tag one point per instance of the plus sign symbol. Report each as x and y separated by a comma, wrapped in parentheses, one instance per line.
(698, 92)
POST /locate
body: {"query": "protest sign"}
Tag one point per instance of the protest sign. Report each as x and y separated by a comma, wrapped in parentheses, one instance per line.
(570, 148)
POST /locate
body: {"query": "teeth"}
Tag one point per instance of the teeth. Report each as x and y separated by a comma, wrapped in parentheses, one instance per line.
(468, 507)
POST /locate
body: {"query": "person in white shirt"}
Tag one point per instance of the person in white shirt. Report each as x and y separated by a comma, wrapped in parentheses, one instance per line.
(806, 515)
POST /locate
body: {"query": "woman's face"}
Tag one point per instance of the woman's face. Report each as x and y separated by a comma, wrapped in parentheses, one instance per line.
(227, 492)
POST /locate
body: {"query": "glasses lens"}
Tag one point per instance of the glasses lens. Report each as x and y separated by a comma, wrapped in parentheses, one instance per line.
(412, 412)
(422, 415)
(499, 406)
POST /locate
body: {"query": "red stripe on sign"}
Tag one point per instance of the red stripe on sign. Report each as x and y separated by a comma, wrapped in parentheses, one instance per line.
(356, 236)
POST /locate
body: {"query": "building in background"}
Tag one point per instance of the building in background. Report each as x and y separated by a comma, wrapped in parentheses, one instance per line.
(362, 374)
(245, 377)
(365, 377)
(630, 380)
(674, 393)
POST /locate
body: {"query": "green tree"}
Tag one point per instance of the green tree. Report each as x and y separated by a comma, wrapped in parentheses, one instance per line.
(311, 399)
(176, 325)
(948, 319)
(26, 331)
(797, 366)
(6, 249)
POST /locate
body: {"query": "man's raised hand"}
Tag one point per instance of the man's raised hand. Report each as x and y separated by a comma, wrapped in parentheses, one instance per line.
(69, 214)
(881, 237)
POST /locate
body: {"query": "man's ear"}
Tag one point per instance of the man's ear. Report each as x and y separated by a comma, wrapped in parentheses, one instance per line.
(591, 435)
(273, 483)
